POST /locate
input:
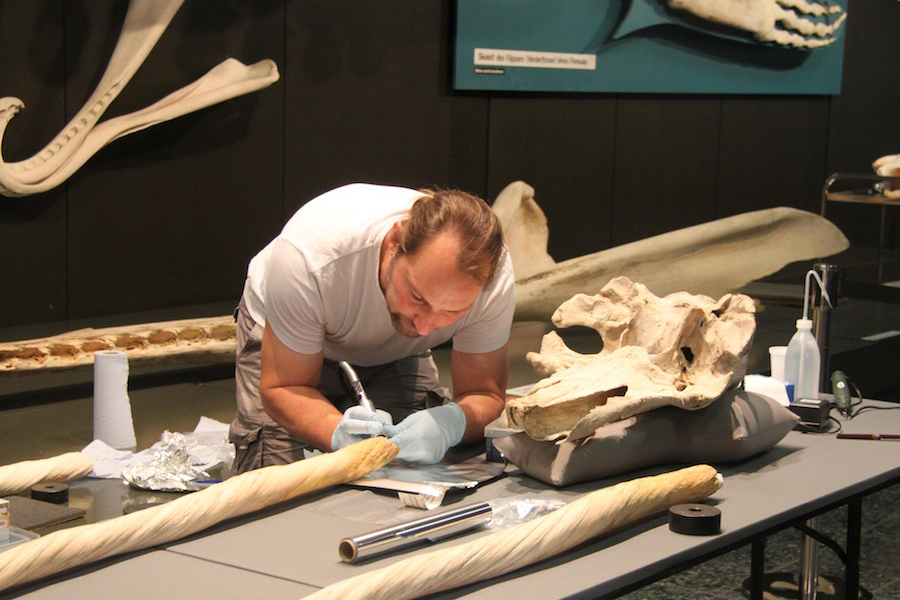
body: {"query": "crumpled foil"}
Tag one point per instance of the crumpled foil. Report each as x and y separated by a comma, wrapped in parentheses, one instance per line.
(170, 470)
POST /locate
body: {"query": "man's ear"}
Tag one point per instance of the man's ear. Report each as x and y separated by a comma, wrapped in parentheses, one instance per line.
(393, 235)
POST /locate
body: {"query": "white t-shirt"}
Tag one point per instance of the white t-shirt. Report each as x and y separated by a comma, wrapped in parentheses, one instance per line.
(317, 283)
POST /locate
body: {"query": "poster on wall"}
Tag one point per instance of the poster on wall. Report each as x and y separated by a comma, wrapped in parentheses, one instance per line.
(650, 46)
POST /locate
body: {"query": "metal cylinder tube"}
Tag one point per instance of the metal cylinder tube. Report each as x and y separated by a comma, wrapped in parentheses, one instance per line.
(821, 316)
(429, 528)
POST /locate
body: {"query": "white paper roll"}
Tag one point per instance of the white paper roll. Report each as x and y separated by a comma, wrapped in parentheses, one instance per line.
(112, 408)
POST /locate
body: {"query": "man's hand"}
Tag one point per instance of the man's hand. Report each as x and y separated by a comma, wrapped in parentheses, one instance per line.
(357, 424)
(425, 436)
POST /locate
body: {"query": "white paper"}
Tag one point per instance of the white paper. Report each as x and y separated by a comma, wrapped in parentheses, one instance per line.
(767, 386)
(109, 462)
(212, 448)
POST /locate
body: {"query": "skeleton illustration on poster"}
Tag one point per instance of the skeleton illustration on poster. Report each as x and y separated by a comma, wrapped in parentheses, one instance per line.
(651, 46)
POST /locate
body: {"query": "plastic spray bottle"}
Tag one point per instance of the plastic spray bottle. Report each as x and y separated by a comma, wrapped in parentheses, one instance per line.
(803, 361)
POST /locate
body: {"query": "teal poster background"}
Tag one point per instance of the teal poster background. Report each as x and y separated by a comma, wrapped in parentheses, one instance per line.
(637, 46)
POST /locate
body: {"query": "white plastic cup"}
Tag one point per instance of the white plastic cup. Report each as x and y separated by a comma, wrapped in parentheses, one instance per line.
(776, 361)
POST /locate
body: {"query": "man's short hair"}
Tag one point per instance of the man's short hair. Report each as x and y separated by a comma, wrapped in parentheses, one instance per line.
(469, 217)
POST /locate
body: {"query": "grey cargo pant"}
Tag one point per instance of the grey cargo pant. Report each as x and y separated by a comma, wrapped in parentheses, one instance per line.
(400, 387)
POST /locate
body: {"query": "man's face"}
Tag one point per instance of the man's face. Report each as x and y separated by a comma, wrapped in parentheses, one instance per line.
(425, 291)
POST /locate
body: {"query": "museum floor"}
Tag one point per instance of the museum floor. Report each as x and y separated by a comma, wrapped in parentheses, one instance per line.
(43, 416)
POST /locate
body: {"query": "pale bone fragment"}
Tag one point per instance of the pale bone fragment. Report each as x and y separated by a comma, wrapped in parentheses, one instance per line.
(21, 476)
(712, 258)
(184, 341)
(682, 350)
(889, 166)
(145, 22)
(783, 22)
(525, 227)
(492, 555)
(245, 493)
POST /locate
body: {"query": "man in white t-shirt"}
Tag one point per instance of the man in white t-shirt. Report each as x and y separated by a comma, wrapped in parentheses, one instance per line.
(376, 276)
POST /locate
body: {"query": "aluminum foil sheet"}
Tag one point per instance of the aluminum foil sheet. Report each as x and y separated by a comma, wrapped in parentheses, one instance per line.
(424, 486)
(462, 475)
(170, 470)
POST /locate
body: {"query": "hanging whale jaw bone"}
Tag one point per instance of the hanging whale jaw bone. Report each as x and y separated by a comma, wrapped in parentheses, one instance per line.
(82, 137)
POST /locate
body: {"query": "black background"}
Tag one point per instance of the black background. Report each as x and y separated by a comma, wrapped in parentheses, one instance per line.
(170, 216)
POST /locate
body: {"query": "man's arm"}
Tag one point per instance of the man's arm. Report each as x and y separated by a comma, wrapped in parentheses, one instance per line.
(287, 389)
(479, 388)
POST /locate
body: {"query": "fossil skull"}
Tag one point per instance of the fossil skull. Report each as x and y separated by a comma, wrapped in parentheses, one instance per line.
(683, 350)
(711, 258)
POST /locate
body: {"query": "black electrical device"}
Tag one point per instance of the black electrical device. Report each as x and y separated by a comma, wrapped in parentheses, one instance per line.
(813, 413)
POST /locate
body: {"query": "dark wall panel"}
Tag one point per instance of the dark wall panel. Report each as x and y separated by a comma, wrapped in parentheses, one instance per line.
(865, 117)
(170, 216)
(666, 157)
(32, 229)
(563, 148)
(367, 99)
(772, 153)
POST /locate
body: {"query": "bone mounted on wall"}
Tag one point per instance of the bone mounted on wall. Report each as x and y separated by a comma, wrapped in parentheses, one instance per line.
(82, 137)
(791, 23)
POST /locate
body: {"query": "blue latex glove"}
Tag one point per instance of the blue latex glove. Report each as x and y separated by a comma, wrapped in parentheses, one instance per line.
(425, 436)
(357, 424)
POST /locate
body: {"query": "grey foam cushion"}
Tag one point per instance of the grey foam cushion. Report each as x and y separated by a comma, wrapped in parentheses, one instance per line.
(737, 425)
(26, 513)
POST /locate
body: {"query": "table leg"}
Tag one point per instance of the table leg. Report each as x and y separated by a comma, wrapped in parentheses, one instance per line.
(854, 538)
(882, 236)
(809, 564)
(757, 568)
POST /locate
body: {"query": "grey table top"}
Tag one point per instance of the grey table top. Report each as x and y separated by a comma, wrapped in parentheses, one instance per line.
(291, 550)
(156, 574)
